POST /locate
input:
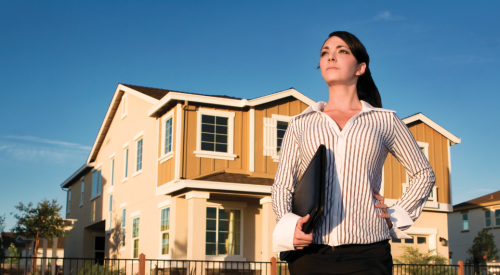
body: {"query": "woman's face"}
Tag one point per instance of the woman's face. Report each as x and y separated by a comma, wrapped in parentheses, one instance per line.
(337, 64)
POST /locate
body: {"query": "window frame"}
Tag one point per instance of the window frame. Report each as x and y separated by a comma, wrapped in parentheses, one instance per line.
(124, 106)
(123, 226)
(161, 255)
(138, 138)
(225, 257)
(166, 156)
(68, 201)
(137, 237)
(467, 215)
(495, 216)
(126, 158)
(271, 135)
(98, 170)
(230, 135)
(82, 191)
(110, 213)
(491, 219)
(425, 146)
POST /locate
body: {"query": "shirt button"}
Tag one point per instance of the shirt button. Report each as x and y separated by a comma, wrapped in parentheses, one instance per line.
(336, 195)
(334, 217)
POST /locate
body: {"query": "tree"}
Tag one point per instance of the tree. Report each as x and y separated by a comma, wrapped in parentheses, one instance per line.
(483, 242)
(423, 261)
(39, 222)
(13, 253)
(2, 227)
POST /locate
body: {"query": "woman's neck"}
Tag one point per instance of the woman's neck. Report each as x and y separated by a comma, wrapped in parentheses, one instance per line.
(342, 98)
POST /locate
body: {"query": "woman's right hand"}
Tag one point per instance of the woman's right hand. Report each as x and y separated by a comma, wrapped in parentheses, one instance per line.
(301, 239)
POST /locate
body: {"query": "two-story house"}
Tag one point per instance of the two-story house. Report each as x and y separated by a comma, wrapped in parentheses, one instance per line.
(470, 217)
(178, 175)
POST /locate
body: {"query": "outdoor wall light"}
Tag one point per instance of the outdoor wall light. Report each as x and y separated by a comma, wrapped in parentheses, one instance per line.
(443, 241)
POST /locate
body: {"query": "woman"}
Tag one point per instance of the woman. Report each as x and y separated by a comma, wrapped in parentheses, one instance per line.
(353, 234)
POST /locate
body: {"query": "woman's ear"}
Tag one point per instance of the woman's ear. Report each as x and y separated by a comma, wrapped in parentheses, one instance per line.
(361, 69)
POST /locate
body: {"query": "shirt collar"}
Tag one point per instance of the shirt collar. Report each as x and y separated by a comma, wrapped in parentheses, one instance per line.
(366, 107)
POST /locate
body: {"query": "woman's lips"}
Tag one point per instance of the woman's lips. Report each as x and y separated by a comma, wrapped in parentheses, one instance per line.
(331, 68)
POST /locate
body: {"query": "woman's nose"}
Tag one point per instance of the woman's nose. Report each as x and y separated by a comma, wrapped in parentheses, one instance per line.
(331, 58)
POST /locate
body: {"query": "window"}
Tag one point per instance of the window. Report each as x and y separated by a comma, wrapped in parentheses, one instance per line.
(421, 240)
(135, 237)
(125, 174)
(487, 218)
(223, 234)
(110, 221)
(82, 193)
(280, 128)
(122, 237)
(69, 200)
(412, 240)
(274, 131)
(96, 183)
(465, 221)
(167, 147)
(424, 146)
(497, 217)
(164, 230)
(138, 161)
(214, 131)
(394, 240)
(215, 136)
(112, 176)
(433, 194)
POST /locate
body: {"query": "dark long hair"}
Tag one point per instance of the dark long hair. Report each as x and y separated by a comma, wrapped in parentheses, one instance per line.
(366, 88)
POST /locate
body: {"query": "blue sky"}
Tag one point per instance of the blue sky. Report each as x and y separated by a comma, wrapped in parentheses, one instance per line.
(60, 62)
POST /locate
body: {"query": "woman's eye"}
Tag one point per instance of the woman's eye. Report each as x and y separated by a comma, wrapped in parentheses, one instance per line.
(324, 53)
(343, 51)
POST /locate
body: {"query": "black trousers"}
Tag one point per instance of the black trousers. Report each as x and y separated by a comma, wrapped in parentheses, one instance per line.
(352, 259)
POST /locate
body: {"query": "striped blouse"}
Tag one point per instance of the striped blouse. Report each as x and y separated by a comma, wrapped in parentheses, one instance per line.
(355, 157)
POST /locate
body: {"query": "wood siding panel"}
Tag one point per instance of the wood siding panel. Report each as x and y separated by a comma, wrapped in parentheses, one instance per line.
(260, 159)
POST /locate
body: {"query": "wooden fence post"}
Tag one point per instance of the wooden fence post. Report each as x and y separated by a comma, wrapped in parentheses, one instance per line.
(142, 264)
(273, 266)
(461, 270)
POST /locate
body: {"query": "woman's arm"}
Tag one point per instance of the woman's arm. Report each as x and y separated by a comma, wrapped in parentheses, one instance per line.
(421, 177)
(285, 236)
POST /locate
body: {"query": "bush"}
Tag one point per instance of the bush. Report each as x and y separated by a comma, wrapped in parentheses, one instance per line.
(97, 269)
(412, 256)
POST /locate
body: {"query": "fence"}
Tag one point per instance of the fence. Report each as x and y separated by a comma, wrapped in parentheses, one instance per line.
(143, 266)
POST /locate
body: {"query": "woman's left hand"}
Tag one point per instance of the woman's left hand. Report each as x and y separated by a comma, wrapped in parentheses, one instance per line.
(382, 206)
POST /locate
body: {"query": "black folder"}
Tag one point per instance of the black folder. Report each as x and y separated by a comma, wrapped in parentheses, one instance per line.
(309, 194)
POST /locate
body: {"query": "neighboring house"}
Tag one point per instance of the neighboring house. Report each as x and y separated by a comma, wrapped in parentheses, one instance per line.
(178, 175)
(470, 217)
(25, 247)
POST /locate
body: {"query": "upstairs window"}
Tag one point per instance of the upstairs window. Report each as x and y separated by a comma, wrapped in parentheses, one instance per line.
(125, 163)
(215, 136)
(82, 193)
(424, 146)
(96, 183)
(167, 129)
(465, 221)
(497, 217)
(112, 176)
(138, 166)
(69, 200)
(124, 105)
(487, 218)
(274, 131)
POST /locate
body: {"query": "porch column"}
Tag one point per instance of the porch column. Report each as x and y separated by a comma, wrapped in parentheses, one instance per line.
(197, 216)
(54, 255)
(268, 224)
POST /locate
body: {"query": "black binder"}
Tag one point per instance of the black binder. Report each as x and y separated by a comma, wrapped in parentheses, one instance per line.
(309, 195)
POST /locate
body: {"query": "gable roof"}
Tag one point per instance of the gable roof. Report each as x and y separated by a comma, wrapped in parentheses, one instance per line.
(419, 116)
(160, 93)
(486, 200)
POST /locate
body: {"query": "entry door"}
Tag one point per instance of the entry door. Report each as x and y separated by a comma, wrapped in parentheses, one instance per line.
(99, 250)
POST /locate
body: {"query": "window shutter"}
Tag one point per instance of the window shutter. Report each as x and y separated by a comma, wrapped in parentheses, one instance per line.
(270, 136)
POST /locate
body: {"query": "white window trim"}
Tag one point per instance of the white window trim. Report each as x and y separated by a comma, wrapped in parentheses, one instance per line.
(164, 157)
(491, 218)
(494, 218)
(462, 214)
(230, 131)
(425, 145)
(242, 218)
(68, 201)
(132, 234)
(82, 193)
(110, 213)
(99, 192)
(166, 256)
(126, 159)
(270, 135)
(124, 106)
(122, 207)
(138, 138)
(112, 174)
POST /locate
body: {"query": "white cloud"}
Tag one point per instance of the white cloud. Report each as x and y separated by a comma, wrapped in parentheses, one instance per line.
(48, 141)
(387, 16)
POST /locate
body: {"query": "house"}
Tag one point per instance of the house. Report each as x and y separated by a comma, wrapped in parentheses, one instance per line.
(470, 217)
(430, 231)
(179, 175)
(25, 247)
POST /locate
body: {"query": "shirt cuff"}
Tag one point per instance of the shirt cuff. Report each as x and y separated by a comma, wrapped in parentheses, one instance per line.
(399, 217)
(283, 233)
(398, 234)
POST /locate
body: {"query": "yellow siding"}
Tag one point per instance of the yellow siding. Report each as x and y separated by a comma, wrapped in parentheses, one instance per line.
(395, 174)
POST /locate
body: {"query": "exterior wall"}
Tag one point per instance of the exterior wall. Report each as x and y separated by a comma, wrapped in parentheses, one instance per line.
(166, 168)
(432, 225)
(461, 240)
(265, 166)
(395, 173)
